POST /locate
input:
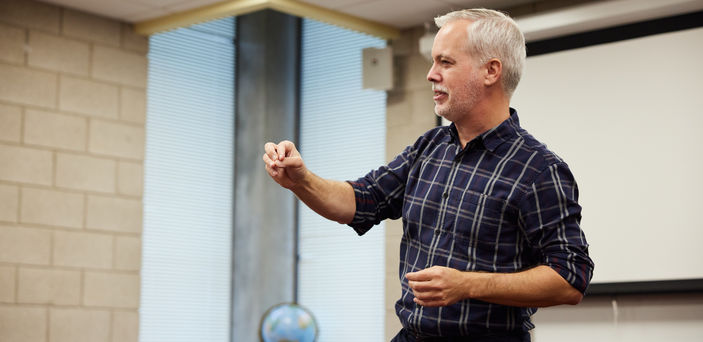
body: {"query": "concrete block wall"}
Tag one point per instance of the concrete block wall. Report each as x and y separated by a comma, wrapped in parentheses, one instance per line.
(409, 114)
(72, 114)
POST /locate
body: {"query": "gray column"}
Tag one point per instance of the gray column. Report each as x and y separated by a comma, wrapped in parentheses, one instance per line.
(264, 252)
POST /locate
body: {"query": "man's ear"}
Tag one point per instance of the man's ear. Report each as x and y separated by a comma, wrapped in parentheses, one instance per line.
(494, 71)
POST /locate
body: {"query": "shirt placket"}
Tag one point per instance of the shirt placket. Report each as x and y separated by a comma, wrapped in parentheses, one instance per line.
(444, 204)
(418, 312)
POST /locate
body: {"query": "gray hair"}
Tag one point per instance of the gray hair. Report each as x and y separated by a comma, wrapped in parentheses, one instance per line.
(493, 34)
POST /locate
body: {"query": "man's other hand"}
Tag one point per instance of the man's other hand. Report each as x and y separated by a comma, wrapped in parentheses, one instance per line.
(437, 286)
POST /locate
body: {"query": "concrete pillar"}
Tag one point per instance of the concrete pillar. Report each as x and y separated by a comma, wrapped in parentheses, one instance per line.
(267, 96)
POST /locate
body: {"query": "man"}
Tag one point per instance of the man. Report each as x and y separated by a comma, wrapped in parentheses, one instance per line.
(490, 216)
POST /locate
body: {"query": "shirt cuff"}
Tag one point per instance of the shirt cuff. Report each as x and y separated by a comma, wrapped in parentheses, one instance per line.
(361, 223)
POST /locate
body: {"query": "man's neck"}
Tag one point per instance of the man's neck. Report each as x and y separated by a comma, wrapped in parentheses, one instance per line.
(480, 120)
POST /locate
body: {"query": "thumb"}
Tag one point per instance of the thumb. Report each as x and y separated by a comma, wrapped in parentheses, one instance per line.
(291, 162)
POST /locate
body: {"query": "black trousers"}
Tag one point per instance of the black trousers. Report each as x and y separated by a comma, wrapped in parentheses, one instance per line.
(407, 336)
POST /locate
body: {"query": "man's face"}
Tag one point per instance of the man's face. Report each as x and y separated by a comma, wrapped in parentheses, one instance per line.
(454, 75)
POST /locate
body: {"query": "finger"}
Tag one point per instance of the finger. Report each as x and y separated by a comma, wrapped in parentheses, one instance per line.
(423, 275)
(285, 149)
(270, 167)
(281, 149)
(270, 149)
(270, 164)
(422, 286)
(267, 159)
(429, 303)
(427, 294)
(290, 162)
(428, 297)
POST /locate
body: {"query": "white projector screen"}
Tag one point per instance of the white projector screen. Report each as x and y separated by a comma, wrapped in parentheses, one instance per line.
(627, 118)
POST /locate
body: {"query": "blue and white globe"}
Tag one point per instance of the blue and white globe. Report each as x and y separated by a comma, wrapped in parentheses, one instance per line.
(288, 323)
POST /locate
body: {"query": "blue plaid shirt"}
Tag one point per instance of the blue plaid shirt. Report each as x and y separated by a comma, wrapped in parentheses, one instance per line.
(504, 203)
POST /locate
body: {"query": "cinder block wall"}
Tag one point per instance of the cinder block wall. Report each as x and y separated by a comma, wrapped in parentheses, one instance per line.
(72, 112)
(409, 114)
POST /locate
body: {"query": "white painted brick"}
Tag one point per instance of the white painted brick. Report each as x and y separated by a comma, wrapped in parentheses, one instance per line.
(88, 97)
(79, 325)
(415, 80)
(32, 14)
(22, 324)
(116, 139)
(130, 178)
(397, 113)
(9, 197)
(114, 214)
(85, 172)
(21, 164)
(91, 27)
(7, 284)
(133, 105)
(119, 66)
(11, 44)
(32, 87)
(58, 53)
(10, 123)
(114, 290)
(24, 245)
(78, 249)
(125, 326)
(128, 253)
(397, 138)
(55, 208)
(134, 41)
(49, 286)
(55, 130)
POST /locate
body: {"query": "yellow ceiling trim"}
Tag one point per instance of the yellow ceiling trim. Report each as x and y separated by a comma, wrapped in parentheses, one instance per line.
(305, 10)
(241, 7)
(199, 15)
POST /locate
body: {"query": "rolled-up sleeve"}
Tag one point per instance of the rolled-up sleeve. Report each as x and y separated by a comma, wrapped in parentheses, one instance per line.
(551, 216)
(379, 194)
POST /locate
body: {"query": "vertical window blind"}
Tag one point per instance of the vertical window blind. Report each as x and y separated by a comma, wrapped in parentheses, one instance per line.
(341, 275)
(186, 267)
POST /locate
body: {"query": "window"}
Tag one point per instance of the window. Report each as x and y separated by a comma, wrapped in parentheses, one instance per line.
(341, 275)
(186, 267)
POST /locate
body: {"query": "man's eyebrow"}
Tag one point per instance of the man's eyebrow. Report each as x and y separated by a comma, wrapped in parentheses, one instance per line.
(442, 56)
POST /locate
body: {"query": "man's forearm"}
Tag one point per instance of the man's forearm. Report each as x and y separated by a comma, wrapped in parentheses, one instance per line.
(331, 199)
(537, 287)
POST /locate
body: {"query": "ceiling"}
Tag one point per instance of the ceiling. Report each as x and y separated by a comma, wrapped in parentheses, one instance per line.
(538, 19)
(395, 13)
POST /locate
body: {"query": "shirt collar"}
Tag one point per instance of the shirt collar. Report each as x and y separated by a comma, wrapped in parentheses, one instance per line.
(495, 136)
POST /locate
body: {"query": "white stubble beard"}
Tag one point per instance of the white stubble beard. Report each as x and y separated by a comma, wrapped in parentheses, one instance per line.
(453, 111)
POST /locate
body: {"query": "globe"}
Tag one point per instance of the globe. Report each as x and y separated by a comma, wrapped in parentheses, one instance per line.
(288, 323)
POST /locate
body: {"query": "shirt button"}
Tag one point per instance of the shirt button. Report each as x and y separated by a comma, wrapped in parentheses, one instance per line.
(445, 195)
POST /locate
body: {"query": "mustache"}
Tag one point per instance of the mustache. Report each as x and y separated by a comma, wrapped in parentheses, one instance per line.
(437, 87)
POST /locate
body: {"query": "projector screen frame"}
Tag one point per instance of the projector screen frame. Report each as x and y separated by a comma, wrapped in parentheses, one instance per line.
(614, 34)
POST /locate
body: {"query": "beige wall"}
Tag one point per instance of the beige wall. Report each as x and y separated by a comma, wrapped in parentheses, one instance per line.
(410, 113)
(72, 111)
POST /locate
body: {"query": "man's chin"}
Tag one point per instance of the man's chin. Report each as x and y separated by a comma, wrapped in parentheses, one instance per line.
(442, 113)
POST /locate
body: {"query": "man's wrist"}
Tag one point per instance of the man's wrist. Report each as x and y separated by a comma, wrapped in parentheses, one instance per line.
(303, 183)
(477, 284)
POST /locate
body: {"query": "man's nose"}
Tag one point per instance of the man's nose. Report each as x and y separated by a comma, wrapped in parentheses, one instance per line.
(432, 75)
